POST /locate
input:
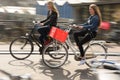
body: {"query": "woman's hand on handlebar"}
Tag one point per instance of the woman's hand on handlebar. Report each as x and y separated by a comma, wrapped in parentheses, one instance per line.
(77, 26)
(80, 27)
(41, 24)
(38, 22)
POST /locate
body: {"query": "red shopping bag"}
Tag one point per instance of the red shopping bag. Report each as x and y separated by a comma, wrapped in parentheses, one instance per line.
(58, 34)
(105, 25)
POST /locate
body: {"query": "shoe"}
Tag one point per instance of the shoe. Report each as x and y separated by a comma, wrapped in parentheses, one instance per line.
(82, 62)
(77, 58)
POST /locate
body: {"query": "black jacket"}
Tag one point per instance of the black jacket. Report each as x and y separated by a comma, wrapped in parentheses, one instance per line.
(51, 19)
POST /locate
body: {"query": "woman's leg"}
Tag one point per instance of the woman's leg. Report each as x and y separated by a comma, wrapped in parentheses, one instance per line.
(86, 39)
(78, 41)
(43, 33)
(78, 34)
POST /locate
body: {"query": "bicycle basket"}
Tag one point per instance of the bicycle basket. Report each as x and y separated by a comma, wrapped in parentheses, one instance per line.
(58, 34)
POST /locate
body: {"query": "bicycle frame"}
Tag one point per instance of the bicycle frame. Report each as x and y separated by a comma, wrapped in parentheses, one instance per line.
(70, 44)
(75, 51)
(26, 45)
(31, 36)
(90, 51)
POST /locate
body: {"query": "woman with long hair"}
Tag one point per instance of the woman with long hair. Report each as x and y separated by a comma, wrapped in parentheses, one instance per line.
(45, 25)
(92, 24)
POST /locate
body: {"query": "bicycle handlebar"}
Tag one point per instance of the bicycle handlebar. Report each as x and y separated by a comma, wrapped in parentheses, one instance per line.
(68, 29)
(35, 22)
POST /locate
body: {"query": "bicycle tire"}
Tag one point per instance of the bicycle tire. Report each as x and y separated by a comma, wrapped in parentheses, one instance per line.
(55, 55)
(21, 48)
(94, 53)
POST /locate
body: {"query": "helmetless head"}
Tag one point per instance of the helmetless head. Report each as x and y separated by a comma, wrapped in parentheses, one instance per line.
(94, 10)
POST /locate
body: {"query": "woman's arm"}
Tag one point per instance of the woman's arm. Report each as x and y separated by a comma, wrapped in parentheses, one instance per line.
(52, 19)
(94, 22)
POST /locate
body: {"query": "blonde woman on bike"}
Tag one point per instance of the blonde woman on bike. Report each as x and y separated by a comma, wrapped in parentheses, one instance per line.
(92, 24)
(51, 20)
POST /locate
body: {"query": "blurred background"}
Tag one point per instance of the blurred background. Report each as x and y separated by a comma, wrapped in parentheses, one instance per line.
(16, 16)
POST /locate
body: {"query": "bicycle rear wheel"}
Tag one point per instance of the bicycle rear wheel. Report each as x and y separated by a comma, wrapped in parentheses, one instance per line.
(94, 53)
(55, 55)
(21, 48)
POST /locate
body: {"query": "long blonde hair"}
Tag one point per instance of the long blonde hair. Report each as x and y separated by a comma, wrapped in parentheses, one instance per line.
(97, 11)
(53, 7)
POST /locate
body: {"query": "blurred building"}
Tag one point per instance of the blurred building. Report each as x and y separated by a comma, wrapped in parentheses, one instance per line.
(78, 9)
(18, 10)
(21, 11)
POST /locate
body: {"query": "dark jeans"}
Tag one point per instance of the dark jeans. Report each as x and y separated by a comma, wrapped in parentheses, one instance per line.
(86, 38)
(43, 30)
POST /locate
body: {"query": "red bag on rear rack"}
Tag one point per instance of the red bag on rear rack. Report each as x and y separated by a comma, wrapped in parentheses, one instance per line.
(105, 25)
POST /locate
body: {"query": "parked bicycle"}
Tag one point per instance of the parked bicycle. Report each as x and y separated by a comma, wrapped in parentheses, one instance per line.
(94, 51)
(23, 46)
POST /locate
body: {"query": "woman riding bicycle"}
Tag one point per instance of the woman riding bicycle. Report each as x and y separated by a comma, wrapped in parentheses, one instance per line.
(45, 25)
(92, 24)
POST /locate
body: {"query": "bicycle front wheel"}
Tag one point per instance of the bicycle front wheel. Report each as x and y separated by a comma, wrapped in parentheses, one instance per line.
(94, 53)
(55, 55)
(21, 48)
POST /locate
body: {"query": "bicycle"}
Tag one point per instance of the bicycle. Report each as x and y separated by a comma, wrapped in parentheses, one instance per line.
(92, 54)
(23, 46)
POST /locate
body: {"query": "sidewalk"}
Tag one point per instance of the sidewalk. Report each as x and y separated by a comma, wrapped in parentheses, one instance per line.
(34, 68)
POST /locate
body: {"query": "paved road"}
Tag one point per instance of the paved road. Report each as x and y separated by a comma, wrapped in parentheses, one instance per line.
(35, 68)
